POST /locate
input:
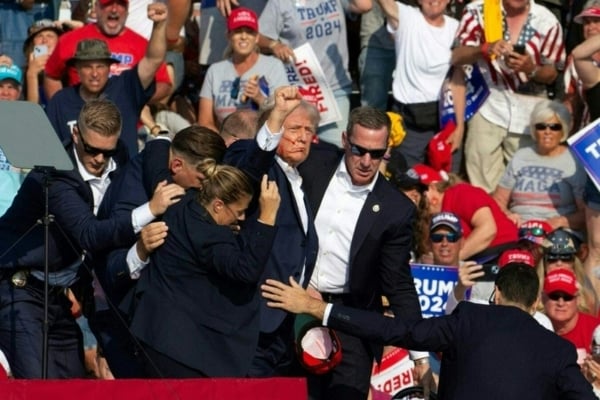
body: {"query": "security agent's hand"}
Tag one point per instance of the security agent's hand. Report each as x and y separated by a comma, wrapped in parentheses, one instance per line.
(157, 12)
(269, 201)
(165, 195)
(292, 298)
(151, 237)
(286, 98)
(467, 273)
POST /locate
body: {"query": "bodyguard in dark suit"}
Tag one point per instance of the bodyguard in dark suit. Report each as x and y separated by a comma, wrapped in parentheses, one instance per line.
(364, 229)
(489, 352)
(164, 168)
(73, 198)
(198, 314)
(295, 249)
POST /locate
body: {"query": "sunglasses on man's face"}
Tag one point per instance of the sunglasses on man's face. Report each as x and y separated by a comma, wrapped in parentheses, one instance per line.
(550, 258)
(555, 296)
(94, 151)
(535, 231)
(541, 126)
(360, 151)
(439, 237)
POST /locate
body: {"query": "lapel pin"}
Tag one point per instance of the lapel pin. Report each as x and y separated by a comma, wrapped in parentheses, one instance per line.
(376, 208)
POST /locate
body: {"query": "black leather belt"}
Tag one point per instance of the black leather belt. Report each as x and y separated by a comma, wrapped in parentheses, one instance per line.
(22, 278)
(335, 297)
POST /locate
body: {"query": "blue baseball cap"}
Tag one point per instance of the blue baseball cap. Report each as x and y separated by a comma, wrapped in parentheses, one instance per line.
(11, 72)
(446, 219)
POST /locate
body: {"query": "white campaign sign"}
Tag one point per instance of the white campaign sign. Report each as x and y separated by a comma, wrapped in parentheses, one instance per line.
(307, 74)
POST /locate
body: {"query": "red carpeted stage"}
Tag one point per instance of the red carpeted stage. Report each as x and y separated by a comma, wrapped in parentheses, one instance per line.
(159, 389)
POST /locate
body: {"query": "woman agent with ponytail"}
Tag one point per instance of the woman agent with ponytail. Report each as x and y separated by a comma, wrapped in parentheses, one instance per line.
(198, 314)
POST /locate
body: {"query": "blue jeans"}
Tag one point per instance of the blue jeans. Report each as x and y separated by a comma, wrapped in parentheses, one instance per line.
(376, 66)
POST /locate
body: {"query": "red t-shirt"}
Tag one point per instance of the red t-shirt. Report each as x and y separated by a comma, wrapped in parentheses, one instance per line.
(581, 334)
(464, 200)
(128, 47)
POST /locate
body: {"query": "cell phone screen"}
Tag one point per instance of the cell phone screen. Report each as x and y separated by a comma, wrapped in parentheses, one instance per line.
(40, 50)
(490, 270)
(519, 49)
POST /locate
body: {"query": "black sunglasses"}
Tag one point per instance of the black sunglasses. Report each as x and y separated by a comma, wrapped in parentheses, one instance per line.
(555, 296)
(540, 126)
(550, 257)
(94, 151)
(359, 151)
(235, 88)
(450, 237)
(536, 231)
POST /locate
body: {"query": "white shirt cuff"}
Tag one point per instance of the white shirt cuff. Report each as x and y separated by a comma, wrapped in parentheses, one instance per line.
(328, 308)
(141, 216)
(134, 263)
(267, 140)
(415, 355)
(451, 303)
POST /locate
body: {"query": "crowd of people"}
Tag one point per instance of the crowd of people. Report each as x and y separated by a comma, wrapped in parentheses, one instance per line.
(200, 174)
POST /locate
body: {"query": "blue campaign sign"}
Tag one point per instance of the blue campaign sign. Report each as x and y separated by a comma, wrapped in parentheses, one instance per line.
(585, 145)
(477, 92)
(433, 284)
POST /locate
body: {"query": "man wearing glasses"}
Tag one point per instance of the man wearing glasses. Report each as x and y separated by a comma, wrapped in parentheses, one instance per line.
(129, 91)
(73, 200)
(560, 303)
(364, 227)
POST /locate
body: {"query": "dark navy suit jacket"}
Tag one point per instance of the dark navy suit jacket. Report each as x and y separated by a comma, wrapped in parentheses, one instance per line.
(75, 227)
(200, 296)
(133, 187)
(489, 352)
(293, 248)
(380, 248)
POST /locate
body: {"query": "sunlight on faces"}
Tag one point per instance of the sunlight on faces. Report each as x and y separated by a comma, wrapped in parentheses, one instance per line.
(298, 132)
(559, 310)
(93, 75)
(548, 140)
(94, 164)
(47, 37)
(362, 168)
(552, 262)
(446, 252)
(243, 40)
(9, 90)
(591, 26)
(111, 18)
(434, 199)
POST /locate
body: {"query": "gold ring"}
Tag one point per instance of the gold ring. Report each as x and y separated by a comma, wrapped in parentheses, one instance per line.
(593, 376)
